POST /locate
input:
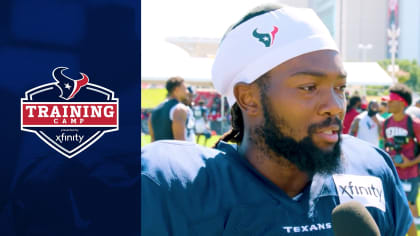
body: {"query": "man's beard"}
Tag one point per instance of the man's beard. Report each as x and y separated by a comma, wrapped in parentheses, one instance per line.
(186, 101)
(304, 153)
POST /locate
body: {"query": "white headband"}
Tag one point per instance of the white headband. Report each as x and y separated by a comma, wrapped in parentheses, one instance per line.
(264, 42)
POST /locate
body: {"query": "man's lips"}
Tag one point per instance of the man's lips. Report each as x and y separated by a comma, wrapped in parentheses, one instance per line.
(331, 128)
(329, 134)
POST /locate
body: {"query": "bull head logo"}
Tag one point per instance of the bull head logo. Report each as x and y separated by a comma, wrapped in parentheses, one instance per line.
(68, 87)
(266, 38)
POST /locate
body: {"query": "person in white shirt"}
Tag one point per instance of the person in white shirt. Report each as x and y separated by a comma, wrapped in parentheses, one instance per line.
(367, 125)
(414, 110)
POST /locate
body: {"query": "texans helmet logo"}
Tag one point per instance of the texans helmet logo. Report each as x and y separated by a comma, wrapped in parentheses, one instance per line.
(68, 87)
(266, 38)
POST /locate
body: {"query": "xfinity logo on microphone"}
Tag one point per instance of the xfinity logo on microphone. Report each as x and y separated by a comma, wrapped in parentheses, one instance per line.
(69, 114)
(367, 190)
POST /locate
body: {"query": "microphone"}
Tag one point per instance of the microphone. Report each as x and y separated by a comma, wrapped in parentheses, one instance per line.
(352, 218)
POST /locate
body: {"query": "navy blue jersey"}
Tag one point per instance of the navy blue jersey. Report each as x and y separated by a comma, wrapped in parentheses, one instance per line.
(161, 121)
(201, 191)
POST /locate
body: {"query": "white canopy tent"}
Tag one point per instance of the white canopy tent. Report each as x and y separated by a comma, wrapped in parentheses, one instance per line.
(165, 60)
(174, 61)
(366, 73)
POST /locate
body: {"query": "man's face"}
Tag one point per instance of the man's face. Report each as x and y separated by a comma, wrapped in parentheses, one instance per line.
(181, 93)
(383, 107)
(303, 106)
(358, 106)
(190, 98)
(395, 106)
(373, 109)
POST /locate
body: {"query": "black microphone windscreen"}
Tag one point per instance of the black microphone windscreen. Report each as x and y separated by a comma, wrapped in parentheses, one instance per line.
(352, 218)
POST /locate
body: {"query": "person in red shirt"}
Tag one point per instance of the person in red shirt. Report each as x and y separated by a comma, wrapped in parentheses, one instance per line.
(353, 109)
(399, 131)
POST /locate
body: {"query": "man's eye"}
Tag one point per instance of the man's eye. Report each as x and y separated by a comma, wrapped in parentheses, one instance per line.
(308, 88)
(342, 88)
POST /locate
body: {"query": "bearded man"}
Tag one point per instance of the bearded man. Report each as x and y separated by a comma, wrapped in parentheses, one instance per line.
(284, 80)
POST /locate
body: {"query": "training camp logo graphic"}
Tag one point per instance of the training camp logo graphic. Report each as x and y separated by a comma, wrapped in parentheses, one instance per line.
(265, 38)
(69, 115)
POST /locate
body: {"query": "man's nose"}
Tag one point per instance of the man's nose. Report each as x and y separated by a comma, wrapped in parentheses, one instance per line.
(332, 104)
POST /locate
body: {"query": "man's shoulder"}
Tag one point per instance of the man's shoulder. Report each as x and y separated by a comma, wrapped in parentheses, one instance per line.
(348, 140)
(167, 161)
(353, 112)
(361, 151)
(168, 101)
(380, 118)
(413, 111)
(363, 158)
(179, 110)
(416, 121)
(361, 115)
(180, 107)
(416, 125)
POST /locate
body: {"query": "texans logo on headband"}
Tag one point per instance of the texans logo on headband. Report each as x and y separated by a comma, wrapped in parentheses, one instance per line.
(266, 39)
(67, 86)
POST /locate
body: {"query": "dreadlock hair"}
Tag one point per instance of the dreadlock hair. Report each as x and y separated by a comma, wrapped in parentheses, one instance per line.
(403, 91)
(236, 134)
(353, 101)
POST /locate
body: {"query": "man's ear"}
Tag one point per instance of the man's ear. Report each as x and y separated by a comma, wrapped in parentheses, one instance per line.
(247, 96)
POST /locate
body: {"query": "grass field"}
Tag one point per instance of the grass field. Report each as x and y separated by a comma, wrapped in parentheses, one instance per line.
(150, 98)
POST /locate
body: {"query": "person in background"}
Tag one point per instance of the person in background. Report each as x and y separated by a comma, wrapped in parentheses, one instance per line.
(353, 109)
(383, 111)
(347, 95)
(364, 104)
(170, 118)
(401, 133)
(201, 122)
(190, 125)
(368, 124)
(383, 108)
(144, 121)
(414, 110)
(283, 166)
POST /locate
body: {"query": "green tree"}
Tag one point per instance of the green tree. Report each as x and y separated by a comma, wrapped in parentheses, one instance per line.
(409, 73)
